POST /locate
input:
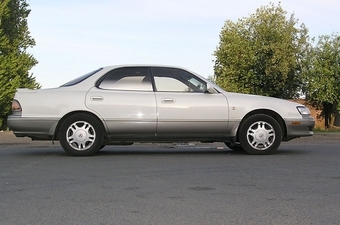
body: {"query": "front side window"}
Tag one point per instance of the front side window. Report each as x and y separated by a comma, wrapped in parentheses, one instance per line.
(130, 79)
(177, 80)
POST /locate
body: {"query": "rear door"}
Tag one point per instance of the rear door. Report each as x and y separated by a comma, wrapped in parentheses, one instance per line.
(125, 100)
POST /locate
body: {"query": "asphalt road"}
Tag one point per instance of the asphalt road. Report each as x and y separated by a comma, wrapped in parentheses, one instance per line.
(170, 184)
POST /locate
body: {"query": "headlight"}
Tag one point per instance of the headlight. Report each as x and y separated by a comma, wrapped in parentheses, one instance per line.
(303, 110)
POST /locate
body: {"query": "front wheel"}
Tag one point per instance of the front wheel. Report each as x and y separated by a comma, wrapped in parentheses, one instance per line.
(81, 135)
(260, 134)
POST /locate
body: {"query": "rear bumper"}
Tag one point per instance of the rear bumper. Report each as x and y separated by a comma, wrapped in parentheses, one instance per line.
(301, 127)
(35, 128)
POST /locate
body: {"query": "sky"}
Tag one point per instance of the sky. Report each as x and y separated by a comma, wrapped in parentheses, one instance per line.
(74, 37)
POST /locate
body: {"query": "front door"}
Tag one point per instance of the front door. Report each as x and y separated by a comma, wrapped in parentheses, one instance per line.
(185, 108)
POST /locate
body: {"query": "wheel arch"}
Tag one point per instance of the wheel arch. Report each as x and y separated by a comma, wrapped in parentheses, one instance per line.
(268, 112)
(56, 131)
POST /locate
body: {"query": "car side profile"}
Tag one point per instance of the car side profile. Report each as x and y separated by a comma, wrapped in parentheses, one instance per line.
(151, 103)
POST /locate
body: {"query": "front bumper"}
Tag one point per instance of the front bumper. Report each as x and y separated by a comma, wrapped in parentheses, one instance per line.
(301, 127)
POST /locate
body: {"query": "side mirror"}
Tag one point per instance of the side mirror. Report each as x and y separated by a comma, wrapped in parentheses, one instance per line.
(211, 89)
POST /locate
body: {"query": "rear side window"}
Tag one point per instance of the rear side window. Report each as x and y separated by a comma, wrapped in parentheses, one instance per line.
(129, 79)
(80, 79)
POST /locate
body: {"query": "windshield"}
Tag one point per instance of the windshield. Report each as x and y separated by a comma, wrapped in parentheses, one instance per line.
(80, 79)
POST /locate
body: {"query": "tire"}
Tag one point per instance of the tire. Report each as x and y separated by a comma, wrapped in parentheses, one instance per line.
(81, 135)
(260, 134)
(234, 147)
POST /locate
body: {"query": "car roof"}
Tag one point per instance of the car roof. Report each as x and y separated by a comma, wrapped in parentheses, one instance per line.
(142, 65)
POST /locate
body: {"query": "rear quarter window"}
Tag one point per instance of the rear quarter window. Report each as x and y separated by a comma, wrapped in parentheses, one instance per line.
(81, 78)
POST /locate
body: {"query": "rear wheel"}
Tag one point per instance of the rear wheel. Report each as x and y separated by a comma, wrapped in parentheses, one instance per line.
(260, 134)
(81, 135)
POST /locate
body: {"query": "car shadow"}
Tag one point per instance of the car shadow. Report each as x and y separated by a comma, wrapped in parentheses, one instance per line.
(57, 151)
(162, 152)
(189, 151)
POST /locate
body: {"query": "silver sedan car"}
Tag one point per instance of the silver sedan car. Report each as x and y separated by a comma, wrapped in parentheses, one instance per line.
(149, 103)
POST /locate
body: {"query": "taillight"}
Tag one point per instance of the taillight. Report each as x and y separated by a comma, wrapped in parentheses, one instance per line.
(16, 107)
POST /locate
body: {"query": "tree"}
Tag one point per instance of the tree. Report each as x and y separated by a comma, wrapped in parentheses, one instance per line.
(322, 75)
(262, 54)
(15, 62)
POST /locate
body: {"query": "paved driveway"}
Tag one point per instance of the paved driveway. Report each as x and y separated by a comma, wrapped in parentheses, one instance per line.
(170, 184)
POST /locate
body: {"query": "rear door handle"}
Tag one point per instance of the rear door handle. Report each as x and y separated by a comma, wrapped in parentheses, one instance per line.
(96, 98)
(168, 100)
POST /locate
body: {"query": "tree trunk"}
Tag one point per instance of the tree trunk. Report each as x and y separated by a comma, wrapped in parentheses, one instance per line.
(327, 110)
